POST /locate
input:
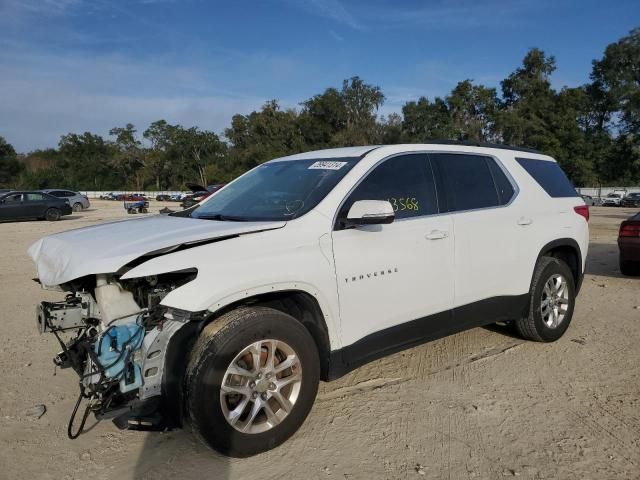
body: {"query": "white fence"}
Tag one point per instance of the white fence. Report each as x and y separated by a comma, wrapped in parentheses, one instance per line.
(147, 193)
(596, 192)
(591, 191)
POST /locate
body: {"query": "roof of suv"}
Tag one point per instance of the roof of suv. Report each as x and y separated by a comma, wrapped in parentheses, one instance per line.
(350, 152)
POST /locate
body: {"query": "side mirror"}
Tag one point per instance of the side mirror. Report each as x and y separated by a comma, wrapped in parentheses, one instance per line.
(370, 212)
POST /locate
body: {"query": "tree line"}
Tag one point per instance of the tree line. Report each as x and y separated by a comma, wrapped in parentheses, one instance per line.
(592, 130)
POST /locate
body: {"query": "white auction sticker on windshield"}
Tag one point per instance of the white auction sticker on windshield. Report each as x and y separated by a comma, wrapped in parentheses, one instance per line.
(324, 165)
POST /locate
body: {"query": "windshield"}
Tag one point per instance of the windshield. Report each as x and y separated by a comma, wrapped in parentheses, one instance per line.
(276, 190)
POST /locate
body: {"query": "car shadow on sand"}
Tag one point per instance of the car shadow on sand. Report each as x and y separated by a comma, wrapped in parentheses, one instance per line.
(180, 454)
(602, 260)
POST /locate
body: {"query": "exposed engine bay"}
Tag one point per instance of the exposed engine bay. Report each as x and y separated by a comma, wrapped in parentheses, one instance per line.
(114, 334)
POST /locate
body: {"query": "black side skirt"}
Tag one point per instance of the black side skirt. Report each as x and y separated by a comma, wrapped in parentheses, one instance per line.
(426, 329)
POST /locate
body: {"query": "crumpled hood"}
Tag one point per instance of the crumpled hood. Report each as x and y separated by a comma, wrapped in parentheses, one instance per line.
(106, 248)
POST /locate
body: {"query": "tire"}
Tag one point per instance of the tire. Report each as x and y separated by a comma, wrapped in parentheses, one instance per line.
(77, 207)
(52, 215)
(629, 268)
(219, 346)
(536, 326)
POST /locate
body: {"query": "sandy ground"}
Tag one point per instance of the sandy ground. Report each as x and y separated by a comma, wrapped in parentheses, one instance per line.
(481, 404)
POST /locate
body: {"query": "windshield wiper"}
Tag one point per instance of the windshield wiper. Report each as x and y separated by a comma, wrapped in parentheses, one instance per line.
(222, 218)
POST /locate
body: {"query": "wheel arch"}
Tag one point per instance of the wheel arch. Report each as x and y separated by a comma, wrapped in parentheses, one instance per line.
(301, 305)
(567, 250)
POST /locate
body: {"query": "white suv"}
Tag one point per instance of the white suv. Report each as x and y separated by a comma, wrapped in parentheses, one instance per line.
(228, 314)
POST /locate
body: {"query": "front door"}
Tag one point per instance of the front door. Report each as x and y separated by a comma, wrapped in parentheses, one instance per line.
(12, 206)
(395, 281)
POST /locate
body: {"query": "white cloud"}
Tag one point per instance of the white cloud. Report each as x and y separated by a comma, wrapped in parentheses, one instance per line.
(336, 36)
(44, 96)
(14, 10)
(331, 9)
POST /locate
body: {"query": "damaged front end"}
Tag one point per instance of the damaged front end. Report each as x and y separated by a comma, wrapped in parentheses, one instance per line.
(115, 335)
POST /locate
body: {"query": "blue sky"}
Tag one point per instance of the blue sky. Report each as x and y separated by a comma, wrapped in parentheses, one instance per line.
(77, 65)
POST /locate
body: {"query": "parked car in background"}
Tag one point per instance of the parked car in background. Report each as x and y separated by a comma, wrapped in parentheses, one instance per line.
(588, 200)
(132, 197)
(612, 200)
(77, 200)
(5, 190)
(22, 205)
(631, 200)
(629, 245)
(163, 197)
(199, 194)
(110, 196)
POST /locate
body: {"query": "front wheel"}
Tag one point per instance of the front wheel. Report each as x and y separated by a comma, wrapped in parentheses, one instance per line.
(77, 207)
(551, 302)
(251, 381)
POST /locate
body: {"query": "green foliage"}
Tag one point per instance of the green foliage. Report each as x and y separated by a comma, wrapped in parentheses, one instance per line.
(9, 165)
(592, 130)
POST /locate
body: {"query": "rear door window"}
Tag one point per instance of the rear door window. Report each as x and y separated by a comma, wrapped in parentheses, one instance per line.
(549, 176)
(34, 197)
(467, 182)
(503, 184)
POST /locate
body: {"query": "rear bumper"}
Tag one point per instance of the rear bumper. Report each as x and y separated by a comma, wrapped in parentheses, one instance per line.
(629, 249)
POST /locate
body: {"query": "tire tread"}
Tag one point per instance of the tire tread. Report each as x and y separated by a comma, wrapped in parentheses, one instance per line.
(526, 326)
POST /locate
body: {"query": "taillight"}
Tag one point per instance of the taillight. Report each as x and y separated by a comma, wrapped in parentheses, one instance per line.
(582, 210)
(629, 230)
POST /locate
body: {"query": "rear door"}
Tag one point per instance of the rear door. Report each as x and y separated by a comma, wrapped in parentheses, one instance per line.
(390, 275)
(477, 192)
(35, 204)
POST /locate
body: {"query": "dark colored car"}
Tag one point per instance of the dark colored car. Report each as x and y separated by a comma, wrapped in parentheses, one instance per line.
(199, 194)
(163, 197)
(631, 200)
(23, 205)
(629, 245)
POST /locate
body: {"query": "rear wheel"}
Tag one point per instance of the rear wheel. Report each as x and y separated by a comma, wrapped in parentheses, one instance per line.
(252, 379)
(551, 302)
(52, 214)
(77, 207)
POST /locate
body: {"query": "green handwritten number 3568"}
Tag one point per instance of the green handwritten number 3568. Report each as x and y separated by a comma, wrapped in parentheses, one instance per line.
(404, 203)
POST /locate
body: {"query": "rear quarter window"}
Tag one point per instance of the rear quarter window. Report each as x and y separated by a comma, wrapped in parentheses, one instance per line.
(549, 176)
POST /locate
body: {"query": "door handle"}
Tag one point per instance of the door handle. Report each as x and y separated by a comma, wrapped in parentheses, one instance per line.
(436, 234)
(523, 221)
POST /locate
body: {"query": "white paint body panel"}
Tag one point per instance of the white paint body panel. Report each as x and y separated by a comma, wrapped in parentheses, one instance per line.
(106, 248)
(388, 274)
(486, 253)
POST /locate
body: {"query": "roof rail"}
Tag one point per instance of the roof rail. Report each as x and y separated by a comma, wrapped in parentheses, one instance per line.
(471, 143)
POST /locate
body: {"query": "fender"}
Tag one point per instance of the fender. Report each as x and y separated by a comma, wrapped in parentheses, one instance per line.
(286, 287)
(565, 242)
